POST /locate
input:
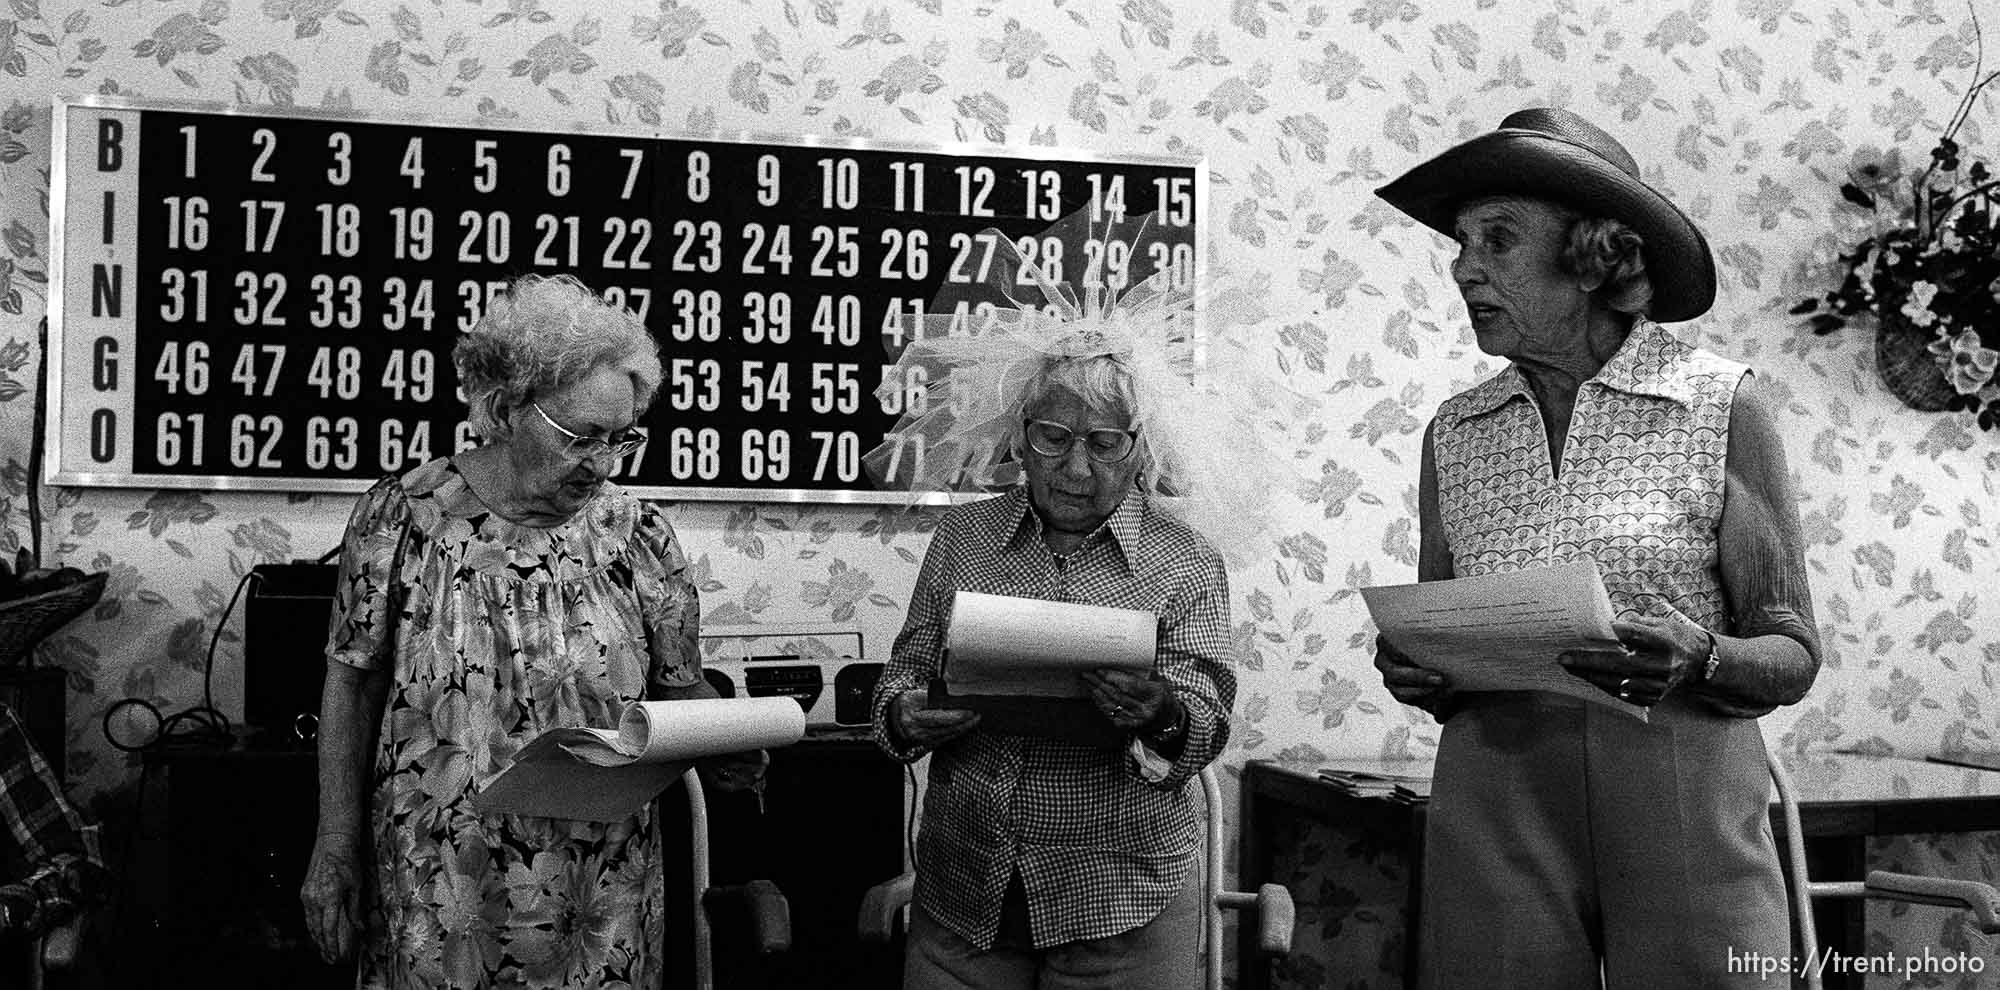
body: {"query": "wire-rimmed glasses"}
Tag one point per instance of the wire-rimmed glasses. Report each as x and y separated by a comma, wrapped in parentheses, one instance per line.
(581, 447)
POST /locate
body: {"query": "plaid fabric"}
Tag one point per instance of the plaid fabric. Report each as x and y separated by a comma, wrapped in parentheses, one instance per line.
(63, 866)
(1101, 847)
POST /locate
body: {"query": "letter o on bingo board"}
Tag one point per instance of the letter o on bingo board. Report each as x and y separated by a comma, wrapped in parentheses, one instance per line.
(268, 300)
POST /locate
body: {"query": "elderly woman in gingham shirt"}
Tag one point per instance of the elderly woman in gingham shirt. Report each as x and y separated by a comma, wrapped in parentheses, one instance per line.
(1047, 863)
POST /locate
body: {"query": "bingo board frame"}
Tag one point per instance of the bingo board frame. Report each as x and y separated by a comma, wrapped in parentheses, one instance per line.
(332, 272)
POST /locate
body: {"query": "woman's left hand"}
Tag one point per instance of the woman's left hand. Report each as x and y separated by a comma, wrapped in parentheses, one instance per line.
(1659, 654)
(1130, 701)
(736, 771)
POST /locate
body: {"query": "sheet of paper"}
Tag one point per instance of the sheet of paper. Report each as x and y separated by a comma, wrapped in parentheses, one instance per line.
(1376, 769)
(545, 781)
(1502, 632)
(600, 775)
(1024, 646)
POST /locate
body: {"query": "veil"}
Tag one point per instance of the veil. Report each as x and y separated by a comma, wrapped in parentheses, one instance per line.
(1212, 423)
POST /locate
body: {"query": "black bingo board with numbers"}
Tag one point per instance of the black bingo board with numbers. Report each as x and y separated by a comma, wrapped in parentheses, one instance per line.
(269, 300)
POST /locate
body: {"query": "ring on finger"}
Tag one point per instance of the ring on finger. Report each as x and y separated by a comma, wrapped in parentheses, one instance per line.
(1625, 689)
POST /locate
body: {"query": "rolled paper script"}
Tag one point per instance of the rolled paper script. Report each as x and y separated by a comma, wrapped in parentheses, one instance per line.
(682, 730)
(1025, 646)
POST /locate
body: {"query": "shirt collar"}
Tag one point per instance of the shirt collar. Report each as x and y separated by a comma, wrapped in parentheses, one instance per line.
(1640, 367)
(1122, 528)
(1644, 365)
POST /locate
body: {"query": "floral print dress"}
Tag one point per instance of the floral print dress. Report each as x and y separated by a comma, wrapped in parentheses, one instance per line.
(494, 632)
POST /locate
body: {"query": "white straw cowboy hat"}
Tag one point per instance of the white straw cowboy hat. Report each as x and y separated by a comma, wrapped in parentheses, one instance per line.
(1556, 155)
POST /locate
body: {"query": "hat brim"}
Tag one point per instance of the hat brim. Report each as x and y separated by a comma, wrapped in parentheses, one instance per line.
(1525, 162)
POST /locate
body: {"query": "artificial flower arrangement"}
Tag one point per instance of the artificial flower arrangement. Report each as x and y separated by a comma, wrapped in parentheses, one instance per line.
(1929, 277)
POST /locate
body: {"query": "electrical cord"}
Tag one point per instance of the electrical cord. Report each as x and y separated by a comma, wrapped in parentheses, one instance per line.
(202, 724)
(135, 725)
(35, 452)
(208, 665)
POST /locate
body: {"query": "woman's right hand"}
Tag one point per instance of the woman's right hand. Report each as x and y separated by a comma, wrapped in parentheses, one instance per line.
(1409, 683)
(331, 894)
(928, 728)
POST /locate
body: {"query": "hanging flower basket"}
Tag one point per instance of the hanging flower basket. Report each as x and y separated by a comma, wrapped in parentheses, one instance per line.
(1904, 361)
(1927, 273)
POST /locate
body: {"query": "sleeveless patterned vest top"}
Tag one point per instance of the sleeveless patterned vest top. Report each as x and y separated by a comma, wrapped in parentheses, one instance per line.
(1641, 487)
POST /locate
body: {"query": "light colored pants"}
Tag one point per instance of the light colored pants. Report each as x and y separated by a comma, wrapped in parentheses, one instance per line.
(1565, 837)
(1162, 954)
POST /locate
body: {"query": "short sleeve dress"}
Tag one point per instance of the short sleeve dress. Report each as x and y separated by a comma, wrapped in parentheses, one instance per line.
(494, 632)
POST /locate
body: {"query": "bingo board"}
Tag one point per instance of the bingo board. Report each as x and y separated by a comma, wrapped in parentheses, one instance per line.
(268, 300)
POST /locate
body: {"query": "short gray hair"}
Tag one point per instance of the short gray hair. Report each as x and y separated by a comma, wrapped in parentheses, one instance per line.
(1613, 253)
(1102, 382)
(544, 334)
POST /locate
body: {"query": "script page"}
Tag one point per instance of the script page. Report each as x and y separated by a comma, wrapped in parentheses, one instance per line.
(598, 775)
(547, 781)
(1001, 645)
(1502, 632)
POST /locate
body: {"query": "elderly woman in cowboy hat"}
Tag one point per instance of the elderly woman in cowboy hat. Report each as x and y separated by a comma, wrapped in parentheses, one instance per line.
(1570, 843)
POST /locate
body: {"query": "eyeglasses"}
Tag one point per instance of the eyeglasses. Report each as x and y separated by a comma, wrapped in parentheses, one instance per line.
(1103, 446)
(581, 447)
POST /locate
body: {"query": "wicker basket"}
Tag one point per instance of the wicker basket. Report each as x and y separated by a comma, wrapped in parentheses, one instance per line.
(1904, 362)
(25, 621)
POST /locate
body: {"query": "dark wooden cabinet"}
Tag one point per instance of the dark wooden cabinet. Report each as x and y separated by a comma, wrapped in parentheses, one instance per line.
(224, 844)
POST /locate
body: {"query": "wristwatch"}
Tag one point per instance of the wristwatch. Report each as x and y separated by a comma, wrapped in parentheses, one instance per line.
(1713, 663)
(1161, 738)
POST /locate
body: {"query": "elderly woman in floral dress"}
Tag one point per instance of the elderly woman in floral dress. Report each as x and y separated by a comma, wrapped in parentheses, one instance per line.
(485, 598)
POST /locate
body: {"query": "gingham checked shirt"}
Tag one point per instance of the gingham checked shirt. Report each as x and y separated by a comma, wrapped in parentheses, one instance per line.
(1101, 847)
(65, 867)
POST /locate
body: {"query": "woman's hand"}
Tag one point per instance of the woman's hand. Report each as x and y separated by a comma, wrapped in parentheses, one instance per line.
(1659, 654)
(915, 724)
(1407, 682)
(331, 894)
(735, 771)
(1132, 702)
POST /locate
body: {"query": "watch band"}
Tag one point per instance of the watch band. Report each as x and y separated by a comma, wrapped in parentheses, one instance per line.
(1713, 663)
(1174, 730)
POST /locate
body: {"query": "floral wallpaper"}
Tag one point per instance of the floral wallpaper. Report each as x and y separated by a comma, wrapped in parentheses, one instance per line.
(1747, 112)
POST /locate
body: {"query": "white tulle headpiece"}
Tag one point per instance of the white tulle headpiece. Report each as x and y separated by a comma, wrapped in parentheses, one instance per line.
(1211, 424)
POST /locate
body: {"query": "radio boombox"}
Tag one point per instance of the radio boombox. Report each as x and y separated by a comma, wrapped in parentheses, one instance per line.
(816, 663)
